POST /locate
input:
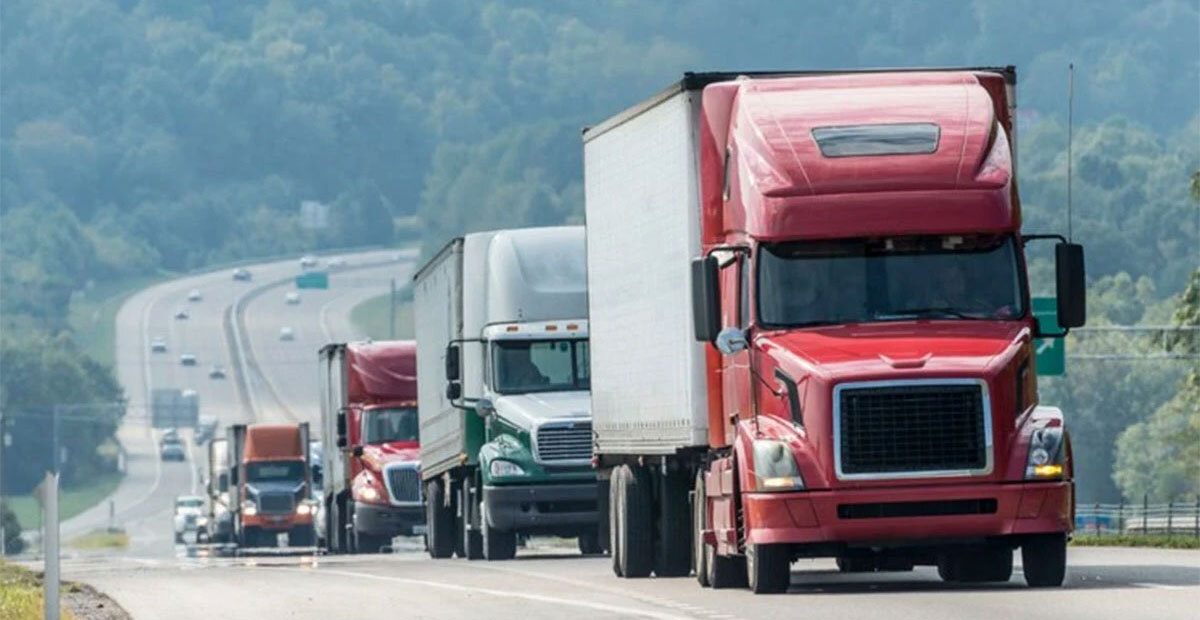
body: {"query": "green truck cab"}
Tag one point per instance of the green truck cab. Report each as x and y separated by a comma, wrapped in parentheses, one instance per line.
(503, 384)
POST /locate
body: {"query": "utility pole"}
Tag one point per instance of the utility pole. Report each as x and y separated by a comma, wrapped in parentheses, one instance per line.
(392, 314)
(50, 500)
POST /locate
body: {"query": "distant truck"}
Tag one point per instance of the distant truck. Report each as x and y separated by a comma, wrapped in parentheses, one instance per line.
(810, 313)
(370, 443)
(269, 474)
(501, 323)
(216, 484)
(174, 408)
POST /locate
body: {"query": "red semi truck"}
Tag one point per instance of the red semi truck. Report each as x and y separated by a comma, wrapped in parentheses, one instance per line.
(371, 445)
(269, 468)
(810, 314)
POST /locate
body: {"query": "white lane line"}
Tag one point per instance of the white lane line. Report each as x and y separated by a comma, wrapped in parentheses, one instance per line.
(538, 598)
(147, 379)
(1162, 586)
(323, 319)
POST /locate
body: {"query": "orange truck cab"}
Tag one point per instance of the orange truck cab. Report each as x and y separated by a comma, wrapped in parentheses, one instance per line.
(271, 474)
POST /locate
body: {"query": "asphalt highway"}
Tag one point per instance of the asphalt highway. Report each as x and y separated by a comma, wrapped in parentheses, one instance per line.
(156, 578)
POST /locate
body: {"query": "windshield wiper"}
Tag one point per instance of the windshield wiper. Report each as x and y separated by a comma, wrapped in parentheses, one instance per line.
(916, 313)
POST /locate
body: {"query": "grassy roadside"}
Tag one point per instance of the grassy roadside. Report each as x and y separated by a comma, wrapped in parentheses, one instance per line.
(70, 501)
(371, 316)
(93, 315)
(1161, 541)
(100, 539)
(21, 593)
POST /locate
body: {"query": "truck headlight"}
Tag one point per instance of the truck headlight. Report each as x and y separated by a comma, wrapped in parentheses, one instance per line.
(249, 509)
(368, 494)
(775, 467)
(501, 469)
(202, 522)
(1045, 460)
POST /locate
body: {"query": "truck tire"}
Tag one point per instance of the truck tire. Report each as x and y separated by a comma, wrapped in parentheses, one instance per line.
(497, 544)
(470, 539)
(439, 533)
(673, 556)
(1044, 560)
(993, 563)
(589, 543)
(301, 536)
(603, 511)
(725, 571)
(615, 484)
(635, 523)
(768, 568)
(699, 522)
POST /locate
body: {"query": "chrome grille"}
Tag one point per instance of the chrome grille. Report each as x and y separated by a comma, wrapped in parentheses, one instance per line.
(275, 503)
(404, 483)
(562, 442)
(913, 428)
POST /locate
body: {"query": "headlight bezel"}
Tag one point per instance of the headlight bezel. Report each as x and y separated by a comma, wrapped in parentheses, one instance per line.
(504, 468)
(775, 467)
(1045, 460)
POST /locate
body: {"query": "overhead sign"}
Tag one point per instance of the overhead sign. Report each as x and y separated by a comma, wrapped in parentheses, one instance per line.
(1051, 352)
(313, 279)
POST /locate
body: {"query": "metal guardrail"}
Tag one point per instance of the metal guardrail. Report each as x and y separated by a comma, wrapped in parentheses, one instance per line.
(1176, 518)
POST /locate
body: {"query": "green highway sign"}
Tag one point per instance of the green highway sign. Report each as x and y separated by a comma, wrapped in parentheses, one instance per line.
(1051, 352)
(313, 279)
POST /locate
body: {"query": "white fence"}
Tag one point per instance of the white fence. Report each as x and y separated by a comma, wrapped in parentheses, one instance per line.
(1179, 518)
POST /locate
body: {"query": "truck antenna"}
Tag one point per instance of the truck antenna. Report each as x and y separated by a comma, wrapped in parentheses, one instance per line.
(1070, 119)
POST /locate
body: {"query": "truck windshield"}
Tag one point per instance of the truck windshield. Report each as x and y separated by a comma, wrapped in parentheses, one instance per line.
(391, 424)
(520, 366)
(957, 277)
(275, 471)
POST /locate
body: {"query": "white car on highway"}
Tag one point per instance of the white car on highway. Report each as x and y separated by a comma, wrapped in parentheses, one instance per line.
(189, 516)
(182, 313)
(308, 261)
(187, 359)
(287, 333)
(158, 345)
(194, 295)
(292, 298)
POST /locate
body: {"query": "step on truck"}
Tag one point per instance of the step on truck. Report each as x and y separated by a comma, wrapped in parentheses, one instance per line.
(370, 445)
(811, 330)
(502, 343)
(269, 475)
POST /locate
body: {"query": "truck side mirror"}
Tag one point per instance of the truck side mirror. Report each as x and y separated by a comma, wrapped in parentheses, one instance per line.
(484, 407)
(706, 304)
(1070, 284)
(452, 369)
(453, 390)
(731, 340)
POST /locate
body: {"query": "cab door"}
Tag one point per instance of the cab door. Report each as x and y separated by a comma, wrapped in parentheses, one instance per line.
(735, 367)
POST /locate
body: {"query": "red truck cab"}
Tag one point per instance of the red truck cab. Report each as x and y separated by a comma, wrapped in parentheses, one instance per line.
(373, 440)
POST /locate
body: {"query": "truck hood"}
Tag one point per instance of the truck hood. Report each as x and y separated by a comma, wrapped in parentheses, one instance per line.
(529, 410)
(377, 455)
(939, 346)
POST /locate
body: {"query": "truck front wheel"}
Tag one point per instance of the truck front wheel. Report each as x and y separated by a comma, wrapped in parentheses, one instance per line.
(768, 568)
(1044, 560)
(497, 544)
(439, 533)
(634, 548)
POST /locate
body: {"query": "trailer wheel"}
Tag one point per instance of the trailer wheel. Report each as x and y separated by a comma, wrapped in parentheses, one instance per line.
(497, 544)
(589, 543)
(768, 568)
(993, 563)
(439, 535)
(470, 540)
(615, 491)
(699, 522)
(635, 540)
(674, 548)
(1044, 560)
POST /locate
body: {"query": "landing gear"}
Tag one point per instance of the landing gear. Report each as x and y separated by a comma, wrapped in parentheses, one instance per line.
(470, 540)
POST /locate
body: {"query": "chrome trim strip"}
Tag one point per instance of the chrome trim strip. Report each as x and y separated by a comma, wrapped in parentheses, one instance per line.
(989, 451)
